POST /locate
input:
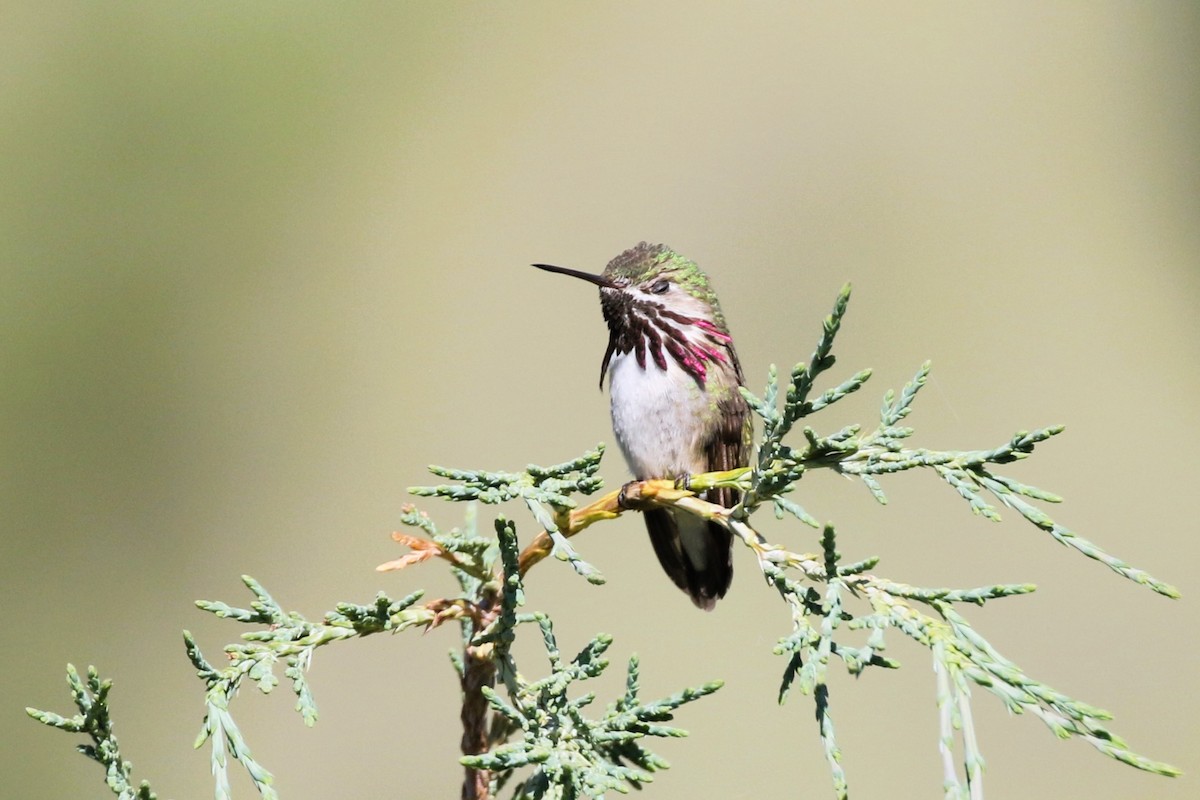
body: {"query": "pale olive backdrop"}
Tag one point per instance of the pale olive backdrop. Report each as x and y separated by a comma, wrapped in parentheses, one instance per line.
(262, 262)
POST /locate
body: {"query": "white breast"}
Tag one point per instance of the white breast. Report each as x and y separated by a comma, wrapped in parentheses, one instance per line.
(657, 417)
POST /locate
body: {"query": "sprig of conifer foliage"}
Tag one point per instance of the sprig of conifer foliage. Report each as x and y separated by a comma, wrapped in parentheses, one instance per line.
(534, 734)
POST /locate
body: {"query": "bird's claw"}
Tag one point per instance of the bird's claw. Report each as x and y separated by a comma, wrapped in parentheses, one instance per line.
(623, 499)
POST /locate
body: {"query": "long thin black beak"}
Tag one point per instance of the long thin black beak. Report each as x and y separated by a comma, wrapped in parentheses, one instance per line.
(599, 280)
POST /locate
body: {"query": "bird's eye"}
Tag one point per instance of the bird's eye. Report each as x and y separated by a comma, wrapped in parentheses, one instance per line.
(660, 287)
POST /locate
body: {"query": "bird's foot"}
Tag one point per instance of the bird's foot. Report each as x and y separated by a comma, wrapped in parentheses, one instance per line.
(630, 496)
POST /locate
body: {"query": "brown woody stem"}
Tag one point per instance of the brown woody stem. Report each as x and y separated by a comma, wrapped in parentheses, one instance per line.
(479, 670)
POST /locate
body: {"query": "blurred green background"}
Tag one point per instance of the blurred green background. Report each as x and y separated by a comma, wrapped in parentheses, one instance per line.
(260, 263)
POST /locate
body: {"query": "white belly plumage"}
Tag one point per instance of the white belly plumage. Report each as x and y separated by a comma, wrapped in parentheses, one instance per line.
(657, 416)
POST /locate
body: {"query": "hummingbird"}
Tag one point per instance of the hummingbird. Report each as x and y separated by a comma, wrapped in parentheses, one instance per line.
(673, 379)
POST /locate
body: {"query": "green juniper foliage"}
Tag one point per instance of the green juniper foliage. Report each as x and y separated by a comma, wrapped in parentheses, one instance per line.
(538, 487)
(289, 638)
(537, 732)
(574, 756)
(91, 698)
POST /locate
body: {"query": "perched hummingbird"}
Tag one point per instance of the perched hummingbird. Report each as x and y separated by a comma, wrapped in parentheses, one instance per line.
(673, 380)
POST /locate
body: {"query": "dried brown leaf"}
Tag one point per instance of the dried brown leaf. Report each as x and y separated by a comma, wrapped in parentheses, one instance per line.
(422, 550)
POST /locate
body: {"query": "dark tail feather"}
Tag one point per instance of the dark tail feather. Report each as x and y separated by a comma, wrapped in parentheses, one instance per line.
(704, 584)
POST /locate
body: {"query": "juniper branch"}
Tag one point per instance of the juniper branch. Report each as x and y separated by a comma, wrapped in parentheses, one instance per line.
(541, 724)
(286, 637)
(91, 698)
(581, 757)
(962, 655)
